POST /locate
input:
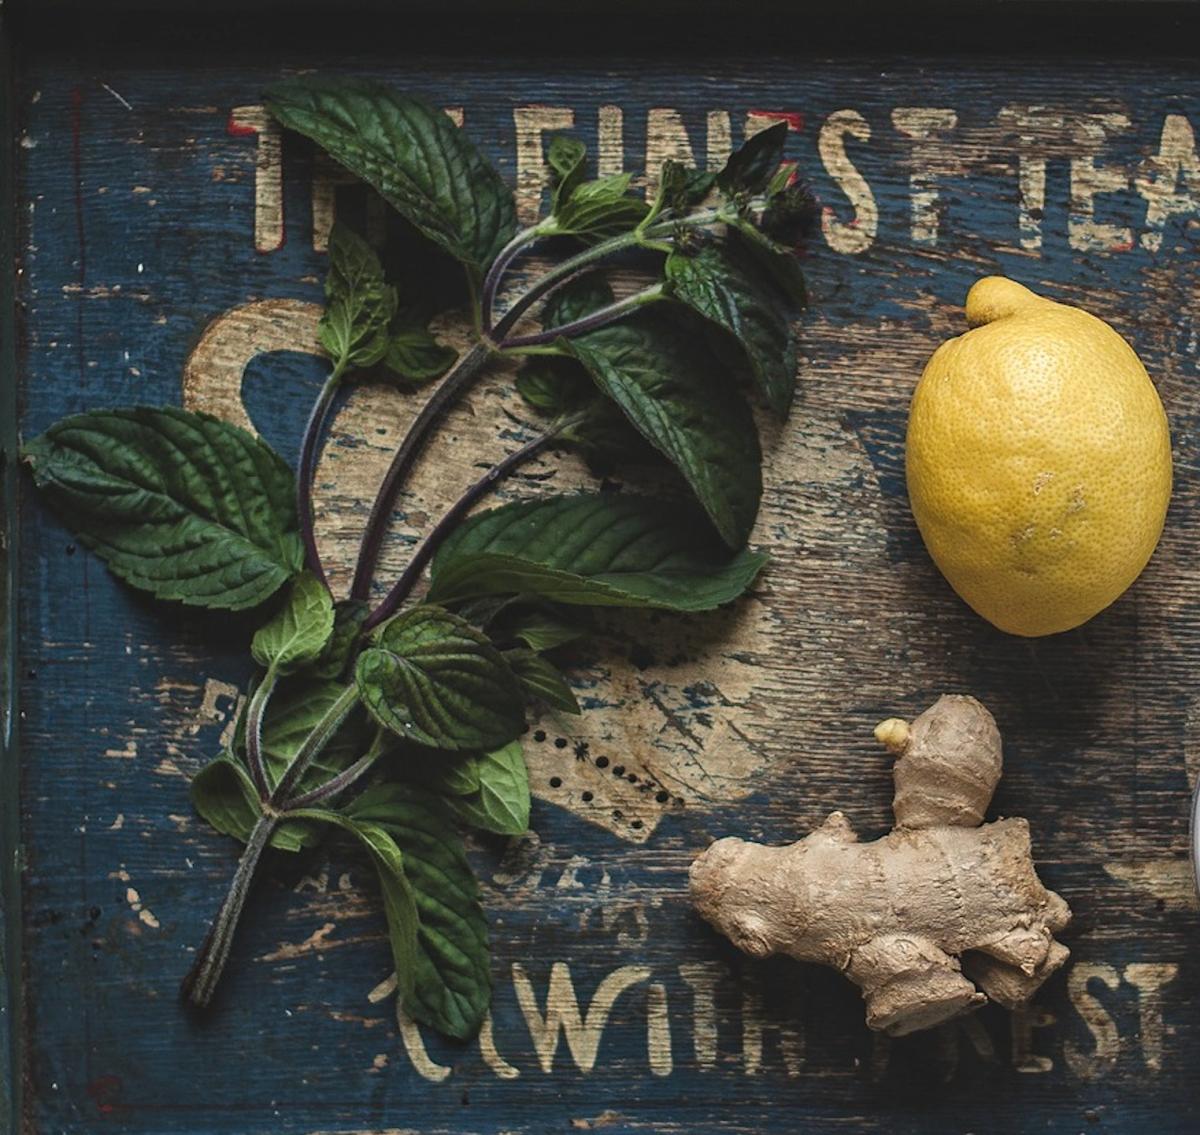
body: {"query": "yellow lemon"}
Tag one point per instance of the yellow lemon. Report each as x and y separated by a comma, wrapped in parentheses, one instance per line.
(1038, 461)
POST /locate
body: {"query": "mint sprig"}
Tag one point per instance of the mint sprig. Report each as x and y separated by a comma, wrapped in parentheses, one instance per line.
(396, 722)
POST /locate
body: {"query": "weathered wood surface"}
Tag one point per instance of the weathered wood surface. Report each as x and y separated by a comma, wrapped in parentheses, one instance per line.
(168, 255)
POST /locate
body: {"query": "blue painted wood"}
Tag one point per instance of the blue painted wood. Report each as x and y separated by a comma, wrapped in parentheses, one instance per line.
(136, 229)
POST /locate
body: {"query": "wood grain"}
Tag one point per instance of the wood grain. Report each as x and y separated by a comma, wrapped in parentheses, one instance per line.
(615, 1008)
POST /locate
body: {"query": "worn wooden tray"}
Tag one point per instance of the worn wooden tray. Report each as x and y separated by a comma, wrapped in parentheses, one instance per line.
(169, 251)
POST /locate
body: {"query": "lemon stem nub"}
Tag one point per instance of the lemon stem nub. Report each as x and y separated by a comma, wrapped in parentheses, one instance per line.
(994, 297)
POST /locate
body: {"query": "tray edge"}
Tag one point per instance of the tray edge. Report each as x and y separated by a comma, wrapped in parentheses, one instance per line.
(10, 847)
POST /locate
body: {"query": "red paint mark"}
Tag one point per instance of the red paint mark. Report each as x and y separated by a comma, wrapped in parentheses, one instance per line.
(105, 1092)
(1122, 246)
(239, 129)
(794, 118)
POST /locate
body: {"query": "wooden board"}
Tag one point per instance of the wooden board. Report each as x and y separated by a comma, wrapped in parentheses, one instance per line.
(170, 251)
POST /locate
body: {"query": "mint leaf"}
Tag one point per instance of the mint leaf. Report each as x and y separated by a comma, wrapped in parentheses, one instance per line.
(485, 790)
(557, 386)
(179, 504)
(415, 357)
(434, 679)
(447, 774)
(360, 303)
(567, 159)
(361, 325)
(417, 159)
(452, 986)
(399, 899)
(681, 187)
(751, 166)
(501, 804)
(577, 298)
(482, 612)
(777, 262)
(540, 629)
(348, 618)
(542, 680)
(605, 436)
(680, 400)
(594, 208)
(292, 713)
(460, 778)
(223, 793)
(603, 550)
(714, 282)
(554, 385)
(300, 630)
(598, 208)
(399, 903)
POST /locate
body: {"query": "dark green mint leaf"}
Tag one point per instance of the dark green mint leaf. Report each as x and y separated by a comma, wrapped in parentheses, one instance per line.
(683, 187)
(448, 774)
(480, 612)
(721, 286)
(436, 680)
(558, 386)
(296, 707)
(542, 680)
(415, 357)
(567, 159)
(577, 298)
(539, 628)
(223, 793)
(300, 630)
(179, 504)
(751, 166)
(399, 904)
(599, 208)
(489, 791)
(348, 618)
(412, 154)
(679, 398)
(459, 778)
(360, 304)
(777, 262)
(399, 898)
(603, 550)
(605, 436)
(553, 386)
(502, 803)
(452, 986)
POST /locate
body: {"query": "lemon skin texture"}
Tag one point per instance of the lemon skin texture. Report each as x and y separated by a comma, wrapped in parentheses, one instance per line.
(1038, 461)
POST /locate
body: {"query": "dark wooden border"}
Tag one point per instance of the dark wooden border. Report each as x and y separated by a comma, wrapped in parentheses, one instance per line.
(125, 29)
(10, 873)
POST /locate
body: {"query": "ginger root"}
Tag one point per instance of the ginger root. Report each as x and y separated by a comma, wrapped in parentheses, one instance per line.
(897, 915)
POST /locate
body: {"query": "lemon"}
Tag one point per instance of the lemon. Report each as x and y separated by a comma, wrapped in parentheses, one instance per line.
(1038, 461)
